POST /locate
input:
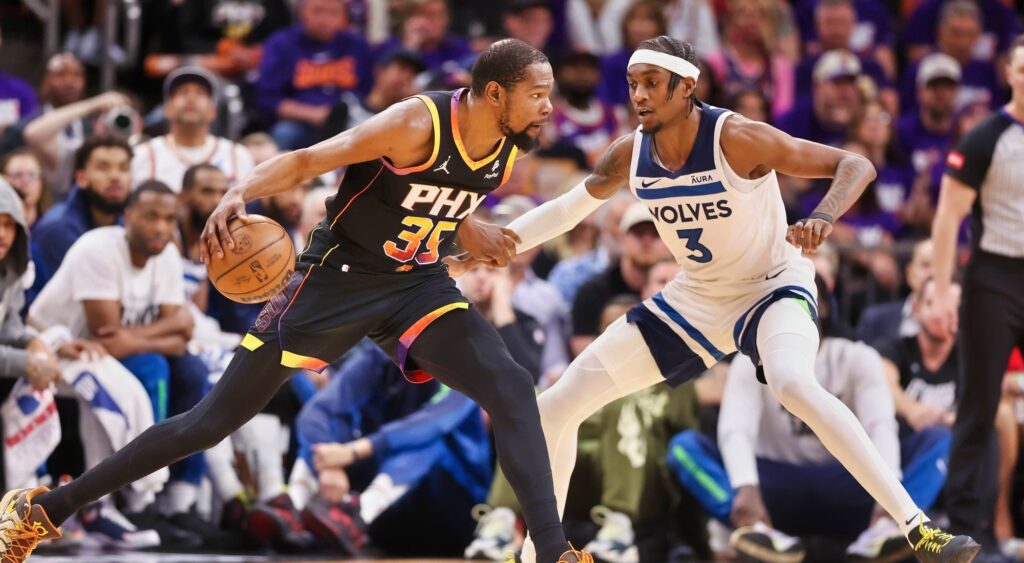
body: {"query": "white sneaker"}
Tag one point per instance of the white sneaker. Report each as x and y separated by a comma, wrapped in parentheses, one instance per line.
(882, 541)
(102, 522)
(615, 541)
(763, 543)
(495, 531)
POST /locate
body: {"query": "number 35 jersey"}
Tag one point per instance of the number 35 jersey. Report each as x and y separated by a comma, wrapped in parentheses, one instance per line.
(393, 220)
(720, 227)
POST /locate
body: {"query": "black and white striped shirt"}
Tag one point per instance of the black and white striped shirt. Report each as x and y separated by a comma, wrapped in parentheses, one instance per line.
(990, 159)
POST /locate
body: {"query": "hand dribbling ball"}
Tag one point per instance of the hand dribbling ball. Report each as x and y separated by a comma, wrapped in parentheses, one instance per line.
(260, 264)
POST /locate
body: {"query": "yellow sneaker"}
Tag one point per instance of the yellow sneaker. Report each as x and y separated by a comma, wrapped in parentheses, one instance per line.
(23, 525)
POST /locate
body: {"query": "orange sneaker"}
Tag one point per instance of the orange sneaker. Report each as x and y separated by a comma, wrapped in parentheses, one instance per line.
(571, 556)
(23, 525)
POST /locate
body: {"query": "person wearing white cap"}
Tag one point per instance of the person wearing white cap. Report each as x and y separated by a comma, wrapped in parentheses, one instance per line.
(925, 131)
(190, 106)
(708, 177)
(833, 102)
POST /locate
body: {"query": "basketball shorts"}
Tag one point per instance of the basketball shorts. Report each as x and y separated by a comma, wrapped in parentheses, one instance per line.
(324, 311)
(690, 326)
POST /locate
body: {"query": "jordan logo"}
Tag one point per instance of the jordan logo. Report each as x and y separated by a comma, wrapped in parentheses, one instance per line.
(444, 166)
(494, 170)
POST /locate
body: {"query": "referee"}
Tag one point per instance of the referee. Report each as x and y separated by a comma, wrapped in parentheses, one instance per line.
(984, 176)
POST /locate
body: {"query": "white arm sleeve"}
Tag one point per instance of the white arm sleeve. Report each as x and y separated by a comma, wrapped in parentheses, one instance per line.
(554, 217)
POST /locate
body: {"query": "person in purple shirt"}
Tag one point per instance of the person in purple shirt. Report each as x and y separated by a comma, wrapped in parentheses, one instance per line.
(836, 21)
(825, 116)
(1001, 25)
(17, 99)
(872, 36)
(959, 32)
(579, 117)
(425, 32)
(531, 21)
(924, 133)
(305, 69)
(643, 20)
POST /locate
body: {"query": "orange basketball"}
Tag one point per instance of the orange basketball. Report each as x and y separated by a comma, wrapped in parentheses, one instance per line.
(260, 264)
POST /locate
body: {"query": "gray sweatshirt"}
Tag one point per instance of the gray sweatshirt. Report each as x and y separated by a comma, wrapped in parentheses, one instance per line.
(13, 334)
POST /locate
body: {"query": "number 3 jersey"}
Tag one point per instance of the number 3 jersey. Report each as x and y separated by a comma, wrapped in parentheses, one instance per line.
(720, 227)
(392, 220)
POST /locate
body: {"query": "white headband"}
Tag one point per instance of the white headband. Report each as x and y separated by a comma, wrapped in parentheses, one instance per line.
(671, 63)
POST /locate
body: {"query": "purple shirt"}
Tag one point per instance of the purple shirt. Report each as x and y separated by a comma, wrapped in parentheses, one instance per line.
(874, 24)
(17, 99)
(1001, 25)
(592, 136)
(802, 123)
(978, 83)
(613, 89)
(296, 67)
(925, 148)
(452, 49)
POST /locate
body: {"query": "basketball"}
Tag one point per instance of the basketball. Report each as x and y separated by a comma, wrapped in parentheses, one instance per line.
(260, 264)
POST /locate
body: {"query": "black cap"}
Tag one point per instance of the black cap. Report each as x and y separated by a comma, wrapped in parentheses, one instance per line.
(191, 74)
(516, 6)
(405, 56)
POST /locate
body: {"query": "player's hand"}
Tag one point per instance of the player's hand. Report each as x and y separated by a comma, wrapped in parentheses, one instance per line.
(84, 349)
(458, 265)
(334, 485)
(808, 234)
(216, 238)
(487, 243)
(748, 508)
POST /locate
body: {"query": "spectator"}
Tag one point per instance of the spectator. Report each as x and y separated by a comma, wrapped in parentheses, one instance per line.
(424, 31)
(836, 21)
(752, 56)
(306, 67)
(750, 104)
(925, 132)
(959, 31)
(530, 21)
(872, 36)
(641, 249)
(24, 170)
(568, 275)
(1001, 25)
(284, 207)
(825, 117)
(642, 20)
(763, 452)
(201, 190)
(888, 321)
(102, 179)
(64, 121)
(190, 105)
(123, 287)
(579, 117)
(17, 99)
(261, 146)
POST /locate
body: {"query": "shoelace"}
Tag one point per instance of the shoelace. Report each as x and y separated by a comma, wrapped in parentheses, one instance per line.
(931, 538)
(19, 541)
(581, 556)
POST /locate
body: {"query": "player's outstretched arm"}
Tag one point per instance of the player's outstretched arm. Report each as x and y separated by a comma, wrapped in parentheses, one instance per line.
(753, 149)
(402, 133)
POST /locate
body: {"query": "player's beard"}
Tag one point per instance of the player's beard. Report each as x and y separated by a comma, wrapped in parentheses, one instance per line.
(112, 207)
(521, 139)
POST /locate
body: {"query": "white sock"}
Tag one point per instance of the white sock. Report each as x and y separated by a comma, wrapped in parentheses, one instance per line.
(788, 342)
(178, 497)
(302, 484)
(221, 470)
(617, 364)
(381, 494)
(135, 501)
(260, 438)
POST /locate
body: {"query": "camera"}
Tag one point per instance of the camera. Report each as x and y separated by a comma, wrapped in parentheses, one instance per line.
(121, 121)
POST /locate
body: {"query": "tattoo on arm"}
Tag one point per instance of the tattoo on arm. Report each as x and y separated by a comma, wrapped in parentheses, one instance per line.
(611, 170)
(852, 176)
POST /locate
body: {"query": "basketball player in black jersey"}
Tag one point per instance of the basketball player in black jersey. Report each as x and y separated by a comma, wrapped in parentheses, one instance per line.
(372, 268)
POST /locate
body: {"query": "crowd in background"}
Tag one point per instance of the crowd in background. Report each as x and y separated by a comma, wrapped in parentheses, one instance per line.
(108, 322)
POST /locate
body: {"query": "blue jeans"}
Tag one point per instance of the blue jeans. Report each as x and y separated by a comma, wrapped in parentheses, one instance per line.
(812, 499)
(290, 135)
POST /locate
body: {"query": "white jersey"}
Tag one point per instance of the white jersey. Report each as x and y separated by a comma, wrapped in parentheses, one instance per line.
(160, 159)
(720, 227)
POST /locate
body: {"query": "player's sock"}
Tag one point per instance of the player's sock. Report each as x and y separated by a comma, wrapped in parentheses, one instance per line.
(261, 440)
(178, 497)
(788, 343)
(913, 522)
(221, 469)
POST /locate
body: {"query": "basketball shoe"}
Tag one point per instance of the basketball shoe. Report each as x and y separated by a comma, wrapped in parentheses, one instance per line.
(495, 533)
(615, 541)
(23, 525)
(932, 545)
(337, 524)
(765, 544)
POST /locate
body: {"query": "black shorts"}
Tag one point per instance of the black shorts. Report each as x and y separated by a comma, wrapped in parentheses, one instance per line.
(324, 311)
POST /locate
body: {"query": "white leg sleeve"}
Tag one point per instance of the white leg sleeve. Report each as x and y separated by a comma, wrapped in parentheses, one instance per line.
(787, 341)
(617, 364)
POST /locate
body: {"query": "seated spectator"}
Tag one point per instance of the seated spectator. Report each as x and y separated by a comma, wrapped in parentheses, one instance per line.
(579, 117)
(750, 104)
(642, 20)
(872, 36)
(1001, 25)
(751, 56)
(17, 99)
(887, 321)
(530, 21)
(306, 67)
(925, 132)
(641, 248)
(190, 106)
(835, 21)
(24, 171)
(568, 275)
(959, 31)
(424, 31)
(747, 481)
(825, 117)
(123, 287)
(102, 183)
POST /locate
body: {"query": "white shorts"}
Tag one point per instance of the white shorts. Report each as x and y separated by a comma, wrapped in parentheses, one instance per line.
(690, 326)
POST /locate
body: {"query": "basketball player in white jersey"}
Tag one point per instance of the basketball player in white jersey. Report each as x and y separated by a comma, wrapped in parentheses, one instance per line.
(708, 177)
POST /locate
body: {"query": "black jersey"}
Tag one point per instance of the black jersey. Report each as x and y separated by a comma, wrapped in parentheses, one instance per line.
(388, 219)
